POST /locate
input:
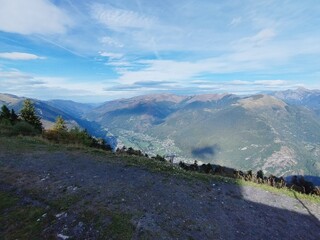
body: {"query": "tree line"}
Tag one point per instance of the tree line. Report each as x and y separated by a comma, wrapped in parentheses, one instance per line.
(298, 183)
(27, 122)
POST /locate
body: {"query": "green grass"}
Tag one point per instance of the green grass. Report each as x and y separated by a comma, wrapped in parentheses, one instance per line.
(19, 221)
(37, 143)
(64, 202)
(283, 191)
(164, 167)
(24, 143)
(111, 224)
(7, 201)
(120, 227)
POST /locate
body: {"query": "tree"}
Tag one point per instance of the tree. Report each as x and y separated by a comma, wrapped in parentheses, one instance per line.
(5, 113)
(60, 125)
(28, 114)
(13, 117)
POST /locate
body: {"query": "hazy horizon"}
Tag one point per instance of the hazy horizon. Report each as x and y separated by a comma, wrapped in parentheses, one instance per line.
(95, 101)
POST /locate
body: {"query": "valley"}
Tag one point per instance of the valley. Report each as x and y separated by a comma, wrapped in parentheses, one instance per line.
(277, 132)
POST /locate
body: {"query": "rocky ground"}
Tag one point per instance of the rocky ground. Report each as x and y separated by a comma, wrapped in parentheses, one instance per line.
(61, 194)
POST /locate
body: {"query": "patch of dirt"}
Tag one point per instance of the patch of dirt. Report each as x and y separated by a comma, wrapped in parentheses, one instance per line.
(85, 193)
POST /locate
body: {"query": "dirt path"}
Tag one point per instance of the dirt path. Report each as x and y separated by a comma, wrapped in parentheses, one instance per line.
(91, 197)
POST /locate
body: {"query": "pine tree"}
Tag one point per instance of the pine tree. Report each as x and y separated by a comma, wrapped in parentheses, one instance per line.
(28, 114)
(60, 124)
(5, 113)
(13, 117)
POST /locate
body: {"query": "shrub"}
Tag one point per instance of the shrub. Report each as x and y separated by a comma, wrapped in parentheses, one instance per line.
(24, 128)
(55, 136)
(260, 174)
(159, 158)
(75, 136)
(5, 128)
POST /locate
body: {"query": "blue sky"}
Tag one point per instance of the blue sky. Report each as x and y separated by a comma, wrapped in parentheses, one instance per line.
(93, 51)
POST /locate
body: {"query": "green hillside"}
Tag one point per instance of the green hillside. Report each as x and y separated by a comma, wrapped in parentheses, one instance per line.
(257, 132)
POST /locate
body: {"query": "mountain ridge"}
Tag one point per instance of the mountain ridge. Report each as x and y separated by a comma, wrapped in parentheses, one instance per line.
(261, 131)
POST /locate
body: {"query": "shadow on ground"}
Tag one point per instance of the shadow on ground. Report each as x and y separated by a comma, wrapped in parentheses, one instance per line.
(158, 205)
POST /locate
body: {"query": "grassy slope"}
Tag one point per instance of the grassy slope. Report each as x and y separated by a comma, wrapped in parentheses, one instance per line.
(25, 214)
(29, 144)
(24, 220)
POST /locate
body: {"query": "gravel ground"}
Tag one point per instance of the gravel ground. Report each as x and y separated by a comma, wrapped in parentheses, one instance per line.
(158, 205)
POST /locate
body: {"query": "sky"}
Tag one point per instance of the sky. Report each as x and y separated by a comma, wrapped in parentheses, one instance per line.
(94, 51)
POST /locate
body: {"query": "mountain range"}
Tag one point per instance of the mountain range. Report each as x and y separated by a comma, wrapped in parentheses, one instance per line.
(278, 132)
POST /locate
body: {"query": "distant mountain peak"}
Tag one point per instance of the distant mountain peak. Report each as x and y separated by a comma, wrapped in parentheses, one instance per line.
(207, 97)
(296, 96)
(261, 101)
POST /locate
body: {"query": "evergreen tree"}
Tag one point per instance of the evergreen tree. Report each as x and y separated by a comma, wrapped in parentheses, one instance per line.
(28, 114)
(13, 117)
(5, 113)
(60, 124)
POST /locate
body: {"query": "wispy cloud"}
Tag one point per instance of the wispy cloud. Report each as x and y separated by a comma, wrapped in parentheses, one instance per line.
(108, 48)
(236, 21)
(117, 19)
(33, 16)
(261, 37)
(111, 55)
(19, 56)
(109, 41)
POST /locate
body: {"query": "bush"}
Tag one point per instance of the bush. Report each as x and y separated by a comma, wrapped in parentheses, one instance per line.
(75, 136)
(55, 136)
(24, 128)
(5, 128)
(159, 158)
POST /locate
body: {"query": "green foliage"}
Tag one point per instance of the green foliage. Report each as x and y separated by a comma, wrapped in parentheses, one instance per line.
(11, 126)
(60, 125)
(28, 114)
(159, 158)
(24, 128)
(13, 117)
(7, 119)
(260, 174)
(75, 136)
(5, 113)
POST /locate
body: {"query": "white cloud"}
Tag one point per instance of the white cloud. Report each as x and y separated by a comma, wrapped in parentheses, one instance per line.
(44, 87)
(111, 42)
(119, 63)
(19, 56)
(236, 21)
(116, 19)
(271, 83)
(13, 74)
(247, 87)
(183, 71)
(259, 38)
(111, 55)
(263, 36)
(32, 16)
